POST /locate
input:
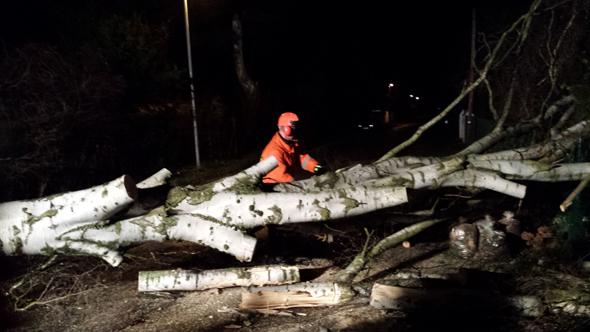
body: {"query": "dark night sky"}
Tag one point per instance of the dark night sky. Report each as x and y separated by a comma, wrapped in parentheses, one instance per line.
(316, 53)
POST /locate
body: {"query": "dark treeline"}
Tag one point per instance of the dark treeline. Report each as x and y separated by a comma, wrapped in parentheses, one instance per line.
(88, 92)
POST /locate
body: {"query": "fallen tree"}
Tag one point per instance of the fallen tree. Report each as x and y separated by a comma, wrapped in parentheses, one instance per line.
(220, 214)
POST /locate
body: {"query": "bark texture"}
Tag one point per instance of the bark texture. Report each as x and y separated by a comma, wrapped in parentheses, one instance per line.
(183, 280)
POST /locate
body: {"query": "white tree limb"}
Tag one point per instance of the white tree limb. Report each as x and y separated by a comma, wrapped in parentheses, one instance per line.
(521, 167)
(568, 201)
(155, 180)
(483, 179)
(159, 227)
(566, 115)
(29, 227)
(363, 258)
(561, 172)
(186, 280)
(562, 142)
(357, 174)
(249, 176)
(421, 177)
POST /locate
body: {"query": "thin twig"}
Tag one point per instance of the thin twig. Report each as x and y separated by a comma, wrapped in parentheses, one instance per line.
(526, 18)
(568, 201)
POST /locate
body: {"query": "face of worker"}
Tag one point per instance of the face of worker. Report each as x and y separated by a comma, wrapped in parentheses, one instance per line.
(288, 133)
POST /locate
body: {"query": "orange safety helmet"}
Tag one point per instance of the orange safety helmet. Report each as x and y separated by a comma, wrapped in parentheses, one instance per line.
(288, 121)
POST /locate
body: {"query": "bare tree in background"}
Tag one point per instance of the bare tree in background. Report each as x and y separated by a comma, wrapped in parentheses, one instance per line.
(54, 111)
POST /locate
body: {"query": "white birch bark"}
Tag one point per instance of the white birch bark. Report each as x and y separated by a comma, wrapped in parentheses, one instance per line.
(155, 227)
(249, 176)
(356, 175)
(210, 232)
(566, 115)
(563, 141)
(483, 179)
(250, 210)
(511, 167)
(155, 180)
(560, 172)
(565, 101)
(421, 177)
(573, 308)
(186, 280)
(96, 239)
(496, 136)
(32, 227)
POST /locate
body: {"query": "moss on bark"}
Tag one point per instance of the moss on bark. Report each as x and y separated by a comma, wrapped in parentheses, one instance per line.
(277, 215)
(246, 185)
(32, 219)
(327, 181)
(325, 213)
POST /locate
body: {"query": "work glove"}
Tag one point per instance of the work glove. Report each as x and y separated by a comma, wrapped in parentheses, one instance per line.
(319, 170)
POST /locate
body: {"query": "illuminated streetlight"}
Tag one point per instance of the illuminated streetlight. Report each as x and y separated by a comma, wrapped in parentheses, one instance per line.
(391, 85)
(417, 98)
(411, 96)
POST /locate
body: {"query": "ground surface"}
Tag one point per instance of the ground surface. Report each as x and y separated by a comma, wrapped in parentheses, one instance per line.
(85, 294)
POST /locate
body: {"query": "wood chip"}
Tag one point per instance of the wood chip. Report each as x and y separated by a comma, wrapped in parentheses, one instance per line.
(233, 326)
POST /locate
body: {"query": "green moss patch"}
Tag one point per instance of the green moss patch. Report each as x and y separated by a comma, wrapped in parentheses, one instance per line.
(327, 181)
(175, 196)
(325, 214)
(159, 226)
(245, 185)
(277, 215)
(32, 219)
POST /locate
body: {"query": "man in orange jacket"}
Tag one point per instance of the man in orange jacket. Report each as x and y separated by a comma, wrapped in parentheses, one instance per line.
(285, 147)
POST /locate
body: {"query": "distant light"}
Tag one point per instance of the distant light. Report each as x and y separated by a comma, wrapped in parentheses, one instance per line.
(417, 98)
(390, 85)
(371, 126)
(411, 96)
(360, 126)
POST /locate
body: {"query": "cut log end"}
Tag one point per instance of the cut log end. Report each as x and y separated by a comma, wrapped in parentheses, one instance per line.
(130, 187)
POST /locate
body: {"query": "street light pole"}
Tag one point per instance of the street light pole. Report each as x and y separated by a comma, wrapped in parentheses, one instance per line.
(190, 70)
(469, 128)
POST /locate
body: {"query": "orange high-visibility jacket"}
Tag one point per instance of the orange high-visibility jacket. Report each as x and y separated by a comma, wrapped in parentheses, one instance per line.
(289, 156)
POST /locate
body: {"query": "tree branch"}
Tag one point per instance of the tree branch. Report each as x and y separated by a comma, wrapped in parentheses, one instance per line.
(526, 18)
